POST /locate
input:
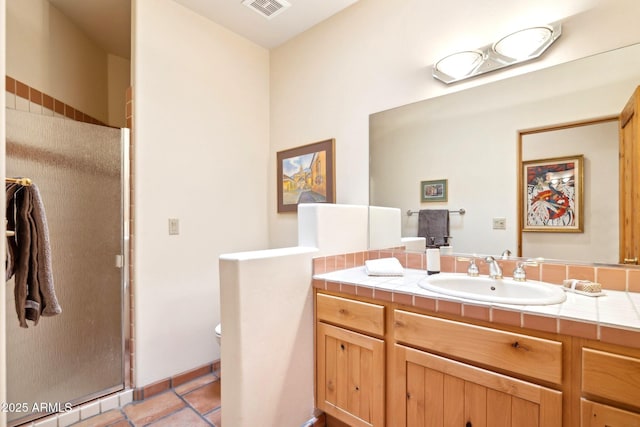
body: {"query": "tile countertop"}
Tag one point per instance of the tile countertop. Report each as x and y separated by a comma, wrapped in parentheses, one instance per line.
(613, 317)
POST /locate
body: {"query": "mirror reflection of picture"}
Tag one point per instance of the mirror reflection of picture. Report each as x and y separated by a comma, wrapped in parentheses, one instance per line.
(553, 194)
(433, 191)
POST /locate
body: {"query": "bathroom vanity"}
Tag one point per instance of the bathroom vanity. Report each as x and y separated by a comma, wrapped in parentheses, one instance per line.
(389, 353)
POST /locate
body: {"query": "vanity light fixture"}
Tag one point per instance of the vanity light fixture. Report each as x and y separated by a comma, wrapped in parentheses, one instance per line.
(520, 46)
(461, 64)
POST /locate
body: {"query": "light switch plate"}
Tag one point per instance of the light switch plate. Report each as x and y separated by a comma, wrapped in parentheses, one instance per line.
(174, 226)
(499, 223)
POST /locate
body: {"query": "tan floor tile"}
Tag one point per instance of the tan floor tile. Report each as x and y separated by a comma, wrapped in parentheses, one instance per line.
(154, 408)
(215, 417)
(194, 384)
(102, 420)
(184, 418)
(205, 398)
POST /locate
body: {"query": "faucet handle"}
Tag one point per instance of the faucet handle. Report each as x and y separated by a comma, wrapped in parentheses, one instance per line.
(519, 273)
(473, 270)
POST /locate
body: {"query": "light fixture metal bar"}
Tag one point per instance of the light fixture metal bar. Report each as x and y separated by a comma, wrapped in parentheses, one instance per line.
(493, 61)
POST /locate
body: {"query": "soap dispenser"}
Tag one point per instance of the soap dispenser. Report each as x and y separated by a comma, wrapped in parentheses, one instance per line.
(433, 261)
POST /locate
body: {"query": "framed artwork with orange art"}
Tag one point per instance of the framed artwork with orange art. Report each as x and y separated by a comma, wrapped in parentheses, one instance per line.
(306, 174)
(553, 194)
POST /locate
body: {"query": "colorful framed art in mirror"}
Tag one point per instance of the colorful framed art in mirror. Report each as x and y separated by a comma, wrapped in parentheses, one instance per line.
(553, 194)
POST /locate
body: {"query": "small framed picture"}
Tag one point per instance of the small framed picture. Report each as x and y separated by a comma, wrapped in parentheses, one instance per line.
(433, 191)
(552, 194)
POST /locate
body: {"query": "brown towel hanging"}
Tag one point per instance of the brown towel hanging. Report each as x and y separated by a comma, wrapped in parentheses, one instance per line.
(29, 253)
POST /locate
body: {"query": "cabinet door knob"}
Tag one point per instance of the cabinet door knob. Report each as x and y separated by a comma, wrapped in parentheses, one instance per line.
(468, 424)
(519, 346)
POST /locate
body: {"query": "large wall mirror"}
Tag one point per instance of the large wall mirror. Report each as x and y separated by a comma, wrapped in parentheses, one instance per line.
(472, 138)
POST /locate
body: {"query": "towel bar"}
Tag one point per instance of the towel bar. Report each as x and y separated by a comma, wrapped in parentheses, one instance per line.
(460, 211)
(25, 182)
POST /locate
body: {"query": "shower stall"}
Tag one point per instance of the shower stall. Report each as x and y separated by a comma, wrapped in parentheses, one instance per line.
(82, 174)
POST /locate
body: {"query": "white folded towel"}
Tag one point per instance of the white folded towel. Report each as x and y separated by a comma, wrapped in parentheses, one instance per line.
(384, 267)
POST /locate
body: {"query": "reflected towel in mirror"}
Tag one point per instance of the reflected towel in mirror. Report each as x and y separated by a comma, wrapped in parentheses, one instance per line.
(433, 224)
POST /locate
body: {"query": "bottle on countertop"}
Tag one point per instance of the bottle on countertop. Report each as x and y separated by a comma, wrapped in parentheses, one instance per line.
(433, 261)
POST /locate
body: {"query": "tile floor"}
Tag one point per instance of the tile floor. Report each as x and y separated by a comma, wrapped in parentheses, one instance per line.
(193, 404)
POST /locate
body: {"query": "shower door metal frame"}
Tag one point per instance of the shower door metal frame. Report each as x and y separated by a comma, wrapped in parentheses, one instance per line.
(123, 262)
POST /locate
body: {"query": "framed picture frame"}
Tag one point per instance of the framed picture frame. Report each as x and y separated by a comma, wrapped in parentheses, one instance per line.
(433, 191)
(552, 194)
(306, 174)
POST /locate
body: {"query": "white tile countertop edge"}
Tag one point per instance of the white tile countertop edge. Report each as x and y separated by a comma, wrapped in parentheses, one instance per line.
(616, 308)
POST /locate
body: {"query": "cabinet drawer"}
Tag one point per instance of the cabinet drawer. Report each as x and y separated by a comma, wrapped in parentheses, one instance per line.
(522, 354)
(611, 376)
(598, 415)
(351, 314)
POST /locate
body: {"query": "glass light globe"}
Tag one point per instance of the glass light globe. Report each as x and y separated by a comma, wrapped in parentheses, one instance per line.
(459, 64)
(524, 43)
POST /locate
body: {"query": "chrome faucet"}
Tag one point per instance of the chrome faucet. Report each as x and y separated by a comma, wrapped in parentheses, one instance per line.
(519, 274)
(495, 271)
(473, 268)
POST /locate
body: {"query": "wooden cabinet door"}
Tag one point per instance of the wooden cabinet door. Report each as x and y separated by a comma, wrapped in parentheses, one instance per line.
(598, 415)
(630, 181)
(350, 376)
(441, 392)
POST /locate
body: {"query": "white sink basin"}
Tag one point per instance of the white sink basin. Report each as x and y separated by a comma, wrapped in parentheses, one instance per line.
(504, 291)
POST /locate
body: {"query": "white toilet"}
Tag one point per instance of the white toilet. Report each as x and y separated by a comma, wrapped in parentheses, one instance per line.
(219, 333)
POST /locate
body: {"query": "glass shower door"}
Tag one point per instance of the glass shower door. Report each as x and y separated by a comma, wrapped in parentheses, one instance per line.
(79, 354)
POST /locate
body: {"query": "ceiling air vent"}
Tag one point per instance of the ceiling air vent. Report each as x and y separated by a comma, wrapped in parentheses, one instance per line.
(267, 8)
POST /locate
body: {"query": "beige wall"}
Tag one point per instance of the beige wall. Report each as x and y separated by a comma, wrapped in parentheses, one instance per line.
(49, 53)
(375, 55)
(598, 143)
(201, 111)
(118, 80)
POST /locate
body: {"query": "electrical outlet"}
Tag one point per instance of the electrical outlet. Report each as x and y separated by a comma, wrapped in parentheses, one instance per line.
(499, 223)
(174, 226)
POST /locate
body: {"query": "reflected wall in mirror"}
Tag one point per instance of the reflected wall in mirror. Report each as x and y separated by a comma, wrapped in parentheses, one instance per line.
(597, 142)
(471, 138)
